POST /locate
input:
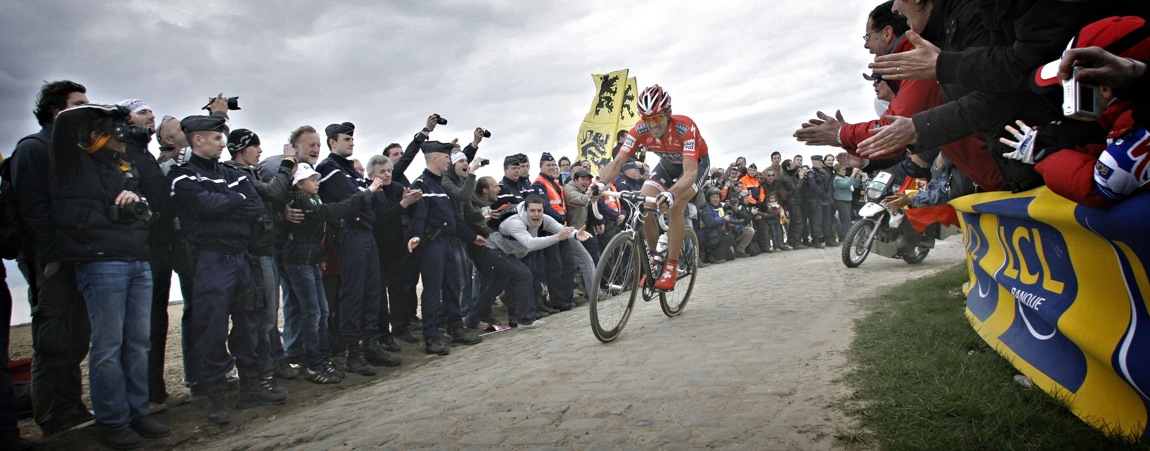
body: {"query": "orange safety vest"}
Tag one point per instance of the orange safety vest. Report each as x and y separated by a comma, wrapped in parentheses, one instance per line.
(753, 182)
(554, 196)
(612, 201)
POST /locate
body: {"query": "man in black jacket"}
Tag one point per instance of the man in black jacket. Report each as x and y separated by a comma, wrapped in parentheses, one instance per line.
(60, 327)
(398, 270)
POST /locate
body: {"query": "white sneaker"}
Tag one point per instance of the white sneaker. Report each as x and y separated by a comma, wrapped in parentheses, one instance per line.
(534, 324)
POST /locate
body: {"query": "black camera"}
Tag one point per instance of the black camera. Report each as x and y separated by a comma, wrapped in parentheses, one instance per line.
(439, 119)
(135, 211)
(486, 133)
(233, 103)
(123, 132)
(484, 161)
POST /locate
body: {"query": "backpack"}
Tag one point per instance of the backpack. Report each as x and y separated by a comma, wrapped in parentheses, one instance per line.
(12, 234)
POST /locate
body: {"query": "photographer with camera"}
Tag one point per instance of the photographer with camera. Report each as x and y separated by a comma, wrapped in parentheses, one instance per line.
(793, 181)
(716, 240)
(102, 227)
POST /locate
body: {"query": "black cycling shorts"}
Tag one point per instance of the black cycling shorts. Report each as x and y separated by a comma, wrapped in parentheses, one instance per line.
(666, 174)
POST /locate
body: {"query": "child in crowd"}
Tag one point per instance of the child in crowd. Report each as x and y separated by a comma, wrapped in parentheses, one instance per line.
(302, 254)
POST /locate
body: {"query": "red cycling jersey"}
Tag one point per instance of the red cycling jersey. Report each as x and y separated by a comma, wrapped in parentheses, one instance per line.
(682, 140)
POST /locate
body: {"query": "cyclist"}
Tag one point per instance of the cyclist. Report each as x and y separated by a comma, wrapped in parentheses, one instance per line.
(683, 163)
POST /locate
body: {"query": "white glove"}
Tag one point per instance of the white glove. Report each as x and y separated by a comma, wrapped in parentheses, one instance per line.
(1024, 146)
(667, 197)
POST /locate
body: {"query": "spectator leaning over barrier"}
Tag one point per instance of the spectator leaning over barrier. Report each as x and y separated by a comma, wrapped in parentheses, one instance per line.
(1100, 175)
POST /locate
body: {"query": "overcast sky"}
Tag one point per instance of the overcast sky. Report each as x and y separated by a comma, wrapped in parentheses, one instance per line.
(748, 72)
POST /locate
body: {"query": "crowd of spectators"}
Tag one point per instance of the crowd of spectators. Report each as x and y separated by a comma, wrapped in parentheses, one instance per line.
(338, 246)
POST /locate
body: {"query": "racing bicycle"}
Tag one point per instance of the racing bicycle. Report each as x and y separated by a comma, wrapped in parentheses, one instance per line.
(627, 268)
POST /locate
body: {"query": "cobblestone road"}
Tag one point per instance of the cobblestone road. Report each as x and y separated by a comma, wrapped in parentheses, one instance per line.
(753, 363)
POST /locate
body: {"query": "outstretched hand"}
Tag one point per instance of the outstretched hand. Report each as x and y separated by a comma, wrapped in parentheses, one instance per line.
(823, 130)
(917, 64)
(889, 140)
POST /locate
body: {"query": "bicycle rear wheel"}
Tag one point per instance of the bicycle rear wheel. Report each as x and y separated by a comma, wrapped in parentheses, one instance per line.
(674, 301)
(616, 286)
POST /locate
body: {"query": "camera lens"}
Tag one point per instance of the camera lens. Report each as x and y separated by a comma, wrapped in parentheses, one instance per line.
(486, 133)
(440, 120)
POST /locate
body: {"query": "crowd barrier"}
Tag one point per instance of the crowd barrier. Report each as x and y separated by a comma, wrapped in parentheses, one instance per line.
(1060, 291)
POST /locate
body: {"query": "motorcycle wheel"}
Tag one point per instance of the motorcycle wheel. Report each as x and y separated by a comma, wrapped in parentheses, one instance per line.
(917, 256)
(856, 245)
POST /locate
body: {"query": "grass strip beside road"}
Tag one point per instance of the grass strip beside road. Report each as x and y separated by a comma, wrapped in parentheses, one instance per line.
(923, 379)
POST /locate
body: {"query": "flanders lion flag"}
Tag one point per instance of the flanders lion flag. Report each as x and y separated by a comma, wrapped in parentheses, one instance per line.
(612, 110)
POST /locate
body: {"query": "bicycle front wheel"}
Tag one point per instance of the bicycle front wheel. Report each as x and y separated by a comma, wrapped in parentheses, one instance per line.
(616, 286)
(674, 301)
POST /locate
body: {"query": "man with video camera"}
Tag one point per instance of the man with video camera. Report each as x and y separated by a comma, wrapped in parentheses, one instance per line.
(102, 228)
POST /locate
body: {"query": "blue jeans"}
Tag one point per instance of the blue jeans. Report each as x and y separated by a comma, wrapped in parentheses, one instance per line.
(310, 302)
(289, 339)
(119, 298)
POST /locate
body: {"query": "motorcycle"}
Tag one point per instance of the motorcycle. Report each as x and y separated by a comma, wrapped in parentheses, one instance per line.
(883, 230)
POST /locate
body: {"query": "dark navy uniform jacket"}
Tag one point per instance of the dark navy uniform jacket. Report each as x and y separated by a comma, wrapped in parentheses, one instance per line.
(216, 205)
(436, 211)
(338, 181)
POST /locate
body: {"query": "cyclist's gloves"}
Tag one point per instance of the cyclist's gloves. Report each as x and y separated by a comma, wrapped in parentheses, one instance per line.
(667, 197)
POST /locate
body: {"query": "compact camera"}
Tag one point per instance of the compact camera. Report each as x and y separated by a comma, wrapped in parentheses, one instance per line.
(439, 119)
(486, 132)
(233, 103)
(1081, 101)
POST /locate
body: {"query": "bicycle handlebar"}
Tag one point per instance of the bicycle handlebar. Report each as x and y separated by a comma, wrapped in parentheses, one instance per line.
(636, 197)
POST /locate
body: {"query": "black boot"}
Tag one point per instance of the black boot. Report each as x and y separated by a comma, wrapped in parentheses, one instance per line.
(376, 356)
(258, 392)
(464, 336)
(355, 360)
(218, 408)
(433, 346)
(542, 308)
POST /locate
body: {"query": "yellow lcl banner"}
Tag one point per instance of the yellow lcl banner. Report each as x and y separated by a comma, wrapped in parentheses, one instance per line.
(1060, 290)
(612, 109)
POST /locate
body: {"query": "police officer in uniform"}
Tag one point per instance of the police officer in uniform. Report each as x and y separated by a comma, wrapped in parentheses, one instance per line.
(216, 207)
(435, 225)
(357, 254)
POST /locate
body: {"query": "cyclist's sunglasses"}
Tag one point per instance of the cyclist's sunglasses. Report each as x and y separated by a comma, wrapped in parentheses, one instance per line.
(654, 117)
